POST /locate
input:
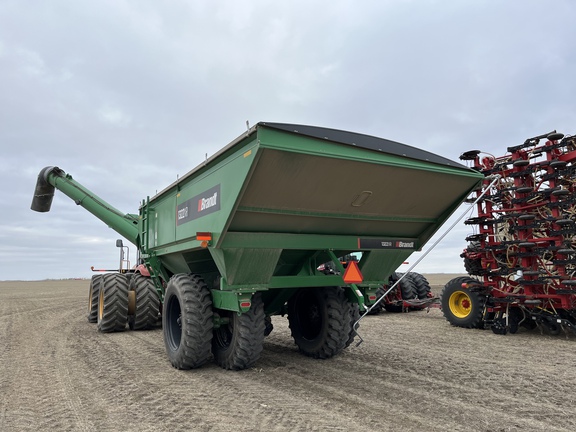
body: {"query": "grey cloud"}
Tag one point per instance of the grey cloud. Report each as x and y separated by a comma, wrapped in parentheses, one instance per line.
(127, 95)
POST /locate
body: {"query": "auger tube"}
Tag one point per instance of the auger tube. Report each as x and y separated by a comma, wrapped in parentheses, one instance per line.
(51, 178)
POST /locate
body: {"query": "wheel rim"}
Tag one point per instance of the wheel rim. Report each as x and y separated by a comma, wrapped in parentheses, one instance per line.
(174, 323)
(460, 304)
(100, 305)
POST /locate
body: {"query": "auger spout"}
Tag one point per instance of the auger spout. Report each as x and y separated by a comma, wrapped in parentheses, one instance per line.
(51, 178)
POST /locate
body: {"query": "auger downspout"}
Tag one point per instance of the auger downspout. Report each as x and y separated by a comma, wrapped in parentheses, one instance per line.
(51, 178)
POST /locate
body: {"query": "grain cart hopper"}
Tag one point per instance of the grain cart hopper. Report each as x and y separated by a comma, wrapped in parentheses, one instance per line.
(241, 237)
(522, 253)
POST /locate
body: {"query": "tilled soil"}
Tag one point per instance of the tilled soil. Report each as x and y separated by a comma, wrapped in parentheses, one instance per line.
(413, 372)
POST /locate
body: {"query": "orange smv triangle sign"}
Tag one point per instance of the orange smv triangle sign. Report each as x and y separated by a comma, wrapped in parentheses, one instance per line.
(352, 274)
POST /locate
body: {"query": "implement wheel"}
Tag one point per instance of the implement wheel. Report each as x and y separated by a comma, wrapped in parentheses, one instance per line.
(93, 294)
(187, 321)
(421, 285)
(113, 303)
(405, 290)
(462, 307)
(320, 321)
(147, 303)
(473, 266)
(238, 344)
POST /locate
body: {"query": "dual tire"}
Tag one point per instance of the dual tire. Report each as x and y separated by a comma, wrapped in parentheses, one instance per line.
(189, 334)
(147, 303)
(412, 286)
(238, 344)
(321, 321)
(108, 302)
(112, 303)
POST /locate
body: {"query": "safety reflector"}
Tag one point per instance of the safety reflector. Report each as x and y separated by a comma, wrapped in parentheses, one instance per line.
(203, 236)
(245, 304)
(352, 274)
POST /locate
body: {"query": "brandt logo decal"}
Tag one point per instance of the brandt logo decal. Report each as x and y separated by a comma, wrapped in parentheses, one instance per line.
(206, 203)
(372, 243)
(405, 245)
(201, 205)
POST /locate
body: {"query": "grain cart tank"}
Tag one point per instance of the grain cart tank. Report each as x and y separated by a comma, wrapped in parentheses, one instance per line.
(241, 237)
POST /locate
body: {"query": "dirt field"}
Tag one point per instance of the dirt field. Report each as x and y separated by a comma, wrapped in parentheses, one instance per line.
(414, 372)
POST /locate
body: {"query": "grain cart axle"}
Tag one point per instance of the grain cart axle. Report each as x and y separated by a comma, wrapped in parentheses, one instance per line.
(242, 236)
(522, 255)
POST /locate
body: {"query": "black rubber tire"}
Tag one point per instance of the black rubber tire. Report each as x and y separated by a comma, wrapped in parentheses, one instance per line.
(320, 321)
(113, 303)
(147, 303)
(421, 285)
(407, 287)
(354, 316)
(473, 266)
(407, 291)
(238, 344)
(93, 294)
(187, 321)
(463, 307)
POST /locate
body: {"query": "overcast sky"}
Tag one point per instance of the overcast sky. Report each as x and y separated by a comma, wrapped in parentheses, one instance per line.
(125, 95)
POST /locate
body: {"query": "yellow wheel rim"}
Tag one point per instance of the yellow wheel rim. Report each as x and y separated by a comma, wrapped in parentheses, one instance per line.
(100, 305)
(460, 304)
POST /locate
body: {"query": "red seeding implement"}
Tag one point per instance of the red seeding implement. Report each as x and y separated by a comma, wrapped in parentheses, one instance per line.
(523, 251)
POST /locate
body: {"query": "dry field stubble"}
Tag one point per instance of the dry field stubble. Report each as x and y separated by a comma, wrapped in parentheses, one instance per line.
(414, 372)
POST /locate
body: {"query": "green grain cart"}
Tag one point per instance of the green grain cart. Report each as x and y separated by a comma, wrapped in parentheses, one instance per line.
(242, 237)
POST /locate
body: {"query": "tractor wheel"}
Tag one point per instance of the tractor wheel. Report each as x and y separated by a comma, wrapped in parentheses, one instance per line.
(319, 319)
(187, 321)
(113, 303)
(462, 307)
(147, 303)
(93, 295)
(238, 344)
(405, 290)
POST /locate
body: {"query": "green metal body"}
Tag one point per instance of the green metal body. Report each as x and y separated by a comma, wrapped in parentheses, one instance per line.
(277, 205)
